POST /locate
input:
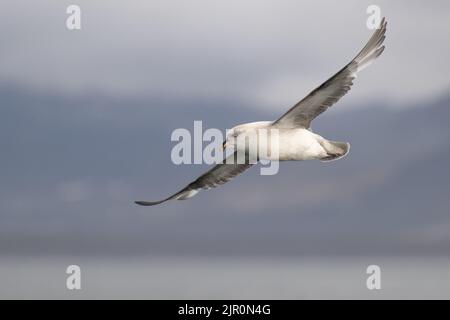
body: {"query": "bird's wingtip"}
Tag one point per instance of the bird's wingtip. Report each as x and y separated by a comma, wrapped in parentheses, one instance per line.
(147, 203)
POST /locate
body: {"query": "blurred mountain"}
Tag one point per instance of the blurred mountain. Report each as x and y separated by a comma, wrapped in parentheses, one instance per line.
(71, 167)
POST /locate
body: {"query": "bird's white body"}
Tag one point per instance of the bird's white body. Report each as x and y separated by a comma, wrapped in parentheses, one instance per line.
(283, 144)
(300, 144)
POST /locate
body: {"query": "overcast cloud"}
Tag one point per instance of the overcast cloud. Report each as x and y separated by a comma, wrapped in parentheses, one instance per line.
(268, 53)
(85, 124)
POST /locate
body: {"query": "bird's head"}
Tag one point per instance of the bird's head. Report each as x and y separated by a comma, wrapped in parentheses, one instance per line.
(245, 129)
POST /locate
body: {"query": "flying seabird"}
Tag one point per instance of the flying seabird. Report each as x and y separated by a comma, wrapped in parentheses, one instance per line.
(296, 141)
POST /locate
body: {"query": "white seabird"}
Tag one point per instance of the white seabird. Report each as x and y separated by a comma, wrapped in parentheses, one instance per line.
(296, 140)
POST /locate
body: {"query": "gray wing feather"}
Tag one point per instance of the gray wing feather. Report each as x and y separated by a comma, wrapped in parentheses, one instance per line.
(216, 176)
(327, 94)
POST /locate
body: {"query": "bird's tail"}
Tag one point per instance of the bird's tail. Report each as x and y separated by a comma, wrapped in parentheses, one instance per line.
(335, 150)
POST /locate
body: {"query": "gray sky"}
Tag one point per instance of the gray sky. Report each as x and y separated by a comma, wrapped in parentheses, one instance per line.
(85, 124)
(267, 53)
(86, 119)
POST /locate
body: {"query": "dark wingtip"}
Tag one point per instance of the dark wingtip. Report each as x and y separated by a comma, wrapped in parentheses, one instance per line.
(147, 203)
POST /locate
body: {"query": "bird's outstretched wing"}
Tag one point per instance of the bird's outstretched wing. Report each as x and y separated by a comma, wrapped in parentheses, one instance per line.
(216, 176)
(323, 97)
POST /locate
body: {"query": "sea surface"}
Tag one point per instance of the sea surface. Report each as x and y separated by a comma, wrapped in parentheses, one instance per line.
(223, 278)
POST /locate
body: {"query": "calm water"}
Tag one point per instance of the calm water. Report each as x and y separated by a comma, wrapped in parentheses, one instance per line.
(224, 278)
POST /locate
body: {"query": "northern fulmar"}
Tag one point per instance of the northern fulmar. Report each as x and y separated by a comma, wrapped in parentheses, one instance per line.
(296, 141)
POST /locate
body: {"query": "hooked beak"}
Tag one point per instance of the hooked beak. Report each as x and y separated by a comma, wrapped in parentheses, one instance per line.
(224, 145)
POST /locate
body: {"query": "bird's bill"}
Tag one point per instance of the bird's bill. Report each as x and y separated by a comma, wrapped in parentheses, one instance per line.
(224, 145)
